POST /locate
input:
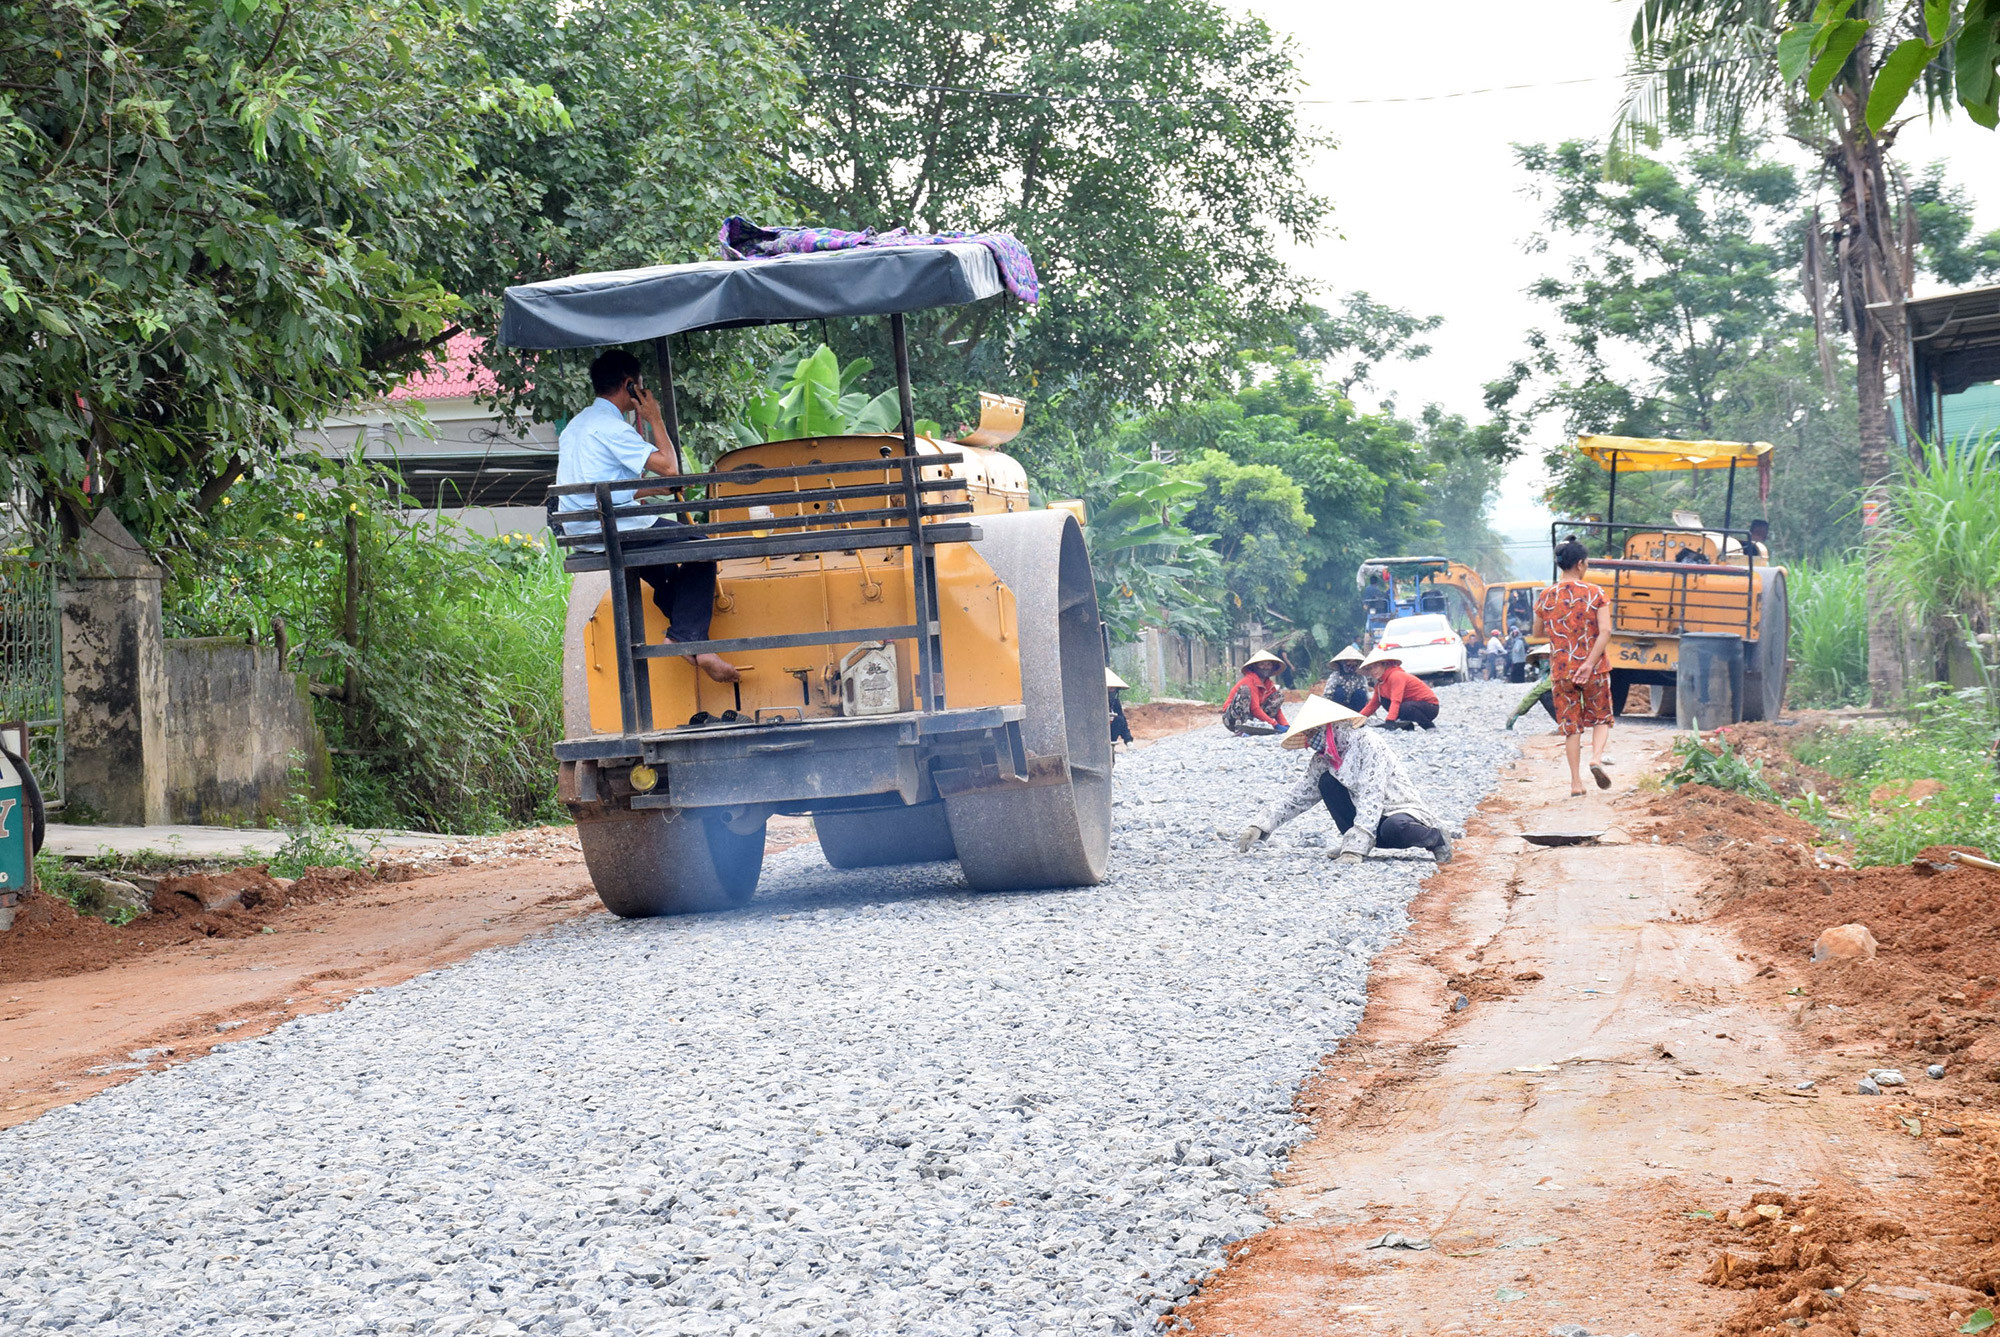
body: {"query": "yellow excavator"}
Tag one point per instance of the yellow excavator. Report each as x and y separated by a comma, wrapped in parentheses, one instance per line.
(921, 657)
(1393, 587)
(1695, 611)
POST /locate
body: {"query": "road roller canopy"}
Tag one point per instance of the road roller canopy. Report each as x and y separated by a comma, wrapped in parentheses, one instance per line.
(1640, 454)
(625, 306)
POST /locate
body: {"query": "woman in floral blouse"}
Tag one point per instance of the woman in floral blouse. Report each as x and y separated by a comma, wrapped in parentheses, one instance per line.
(1576, 617)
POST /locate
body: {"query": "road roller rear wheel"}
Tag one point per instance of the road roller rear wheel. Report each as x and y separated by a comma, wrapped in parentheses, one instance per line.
(918, 833)
(659, 861)
(1766, 663)
(1056, 832)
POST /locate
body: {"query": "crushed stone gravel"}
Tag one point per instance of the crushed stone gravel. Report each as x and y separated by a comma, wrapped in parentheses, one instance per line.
(870, 1103)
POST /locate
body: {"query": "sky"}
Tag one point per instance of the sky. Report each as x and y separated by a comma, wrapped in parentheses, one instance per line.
(1428, 212)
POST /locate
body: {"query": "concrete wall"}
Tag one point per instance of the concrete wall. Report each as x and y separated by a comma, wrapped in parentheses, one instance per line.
(1162, 661)
(237, 725)
(156, 731)
(113, 682)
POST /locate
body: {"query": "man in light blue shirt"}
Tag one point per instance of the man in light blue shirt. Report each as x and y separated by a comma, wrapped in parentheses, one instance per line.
(599, 446)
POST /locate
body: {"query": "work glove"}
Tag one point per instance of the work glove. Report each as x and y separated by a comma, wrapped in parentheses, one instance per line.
(1250, 836)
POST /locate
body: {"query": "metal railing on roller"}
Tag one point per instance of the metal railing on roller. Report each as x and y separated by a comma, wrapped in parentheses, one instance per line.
(902, 509)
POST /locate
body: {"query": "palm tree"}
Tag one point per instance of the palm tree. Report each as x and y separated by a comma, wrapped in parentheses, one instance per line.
(1712, 66)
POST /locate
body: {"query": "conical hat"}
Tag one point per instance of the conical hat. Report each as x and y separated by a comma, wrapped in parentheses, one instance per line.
(1262, 657)
(1112, 679)
(1382, 657)
(1534, 650)
(1351, 652)
(1314, 714)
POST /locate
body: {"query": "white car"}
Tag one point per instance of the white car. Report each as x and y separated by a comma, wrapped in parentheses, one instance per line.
(1428, 646)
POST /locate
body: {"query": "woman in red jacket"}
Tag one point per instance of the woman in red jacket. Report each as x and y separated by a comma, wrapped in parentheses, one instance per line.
(1411, 702)
(1256, 703)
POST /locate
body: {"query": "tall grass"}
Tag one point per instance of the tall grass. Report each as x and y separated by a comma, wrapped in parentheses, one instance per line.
(1942, 541)
(443, 712)
(1829, 611)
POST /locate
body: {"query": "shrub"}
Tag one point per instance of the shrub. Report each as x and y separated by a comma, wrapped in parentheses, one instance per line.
(1949, 740)
(443, 708)
(1715, 763)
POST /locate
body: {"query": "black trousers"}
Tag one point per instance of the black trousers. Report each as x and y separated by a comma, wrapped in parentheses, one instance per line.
(1397, 831)
(1353, 697)
(685, 592)
(1416, 715)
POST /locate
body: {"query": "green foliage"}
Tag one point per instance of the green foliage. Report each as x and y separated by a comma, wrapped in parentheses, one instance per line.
(1687, 271)
(448, 698)
(1829, 615)
(676, 109)
(1942, 50)
(1372, 484)
(1151, 569)
(314, 836)
(813, 395)
(1949, 739)
(217, 223)
(1942, 536)
(1090, 129)
(1713, 762)
(1259, 520)
(1944, 232)
(55, 876)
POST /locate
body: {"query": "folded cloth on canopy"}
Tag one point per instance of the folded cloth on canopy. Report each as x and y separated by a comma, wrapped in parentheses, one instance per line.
(744, 240)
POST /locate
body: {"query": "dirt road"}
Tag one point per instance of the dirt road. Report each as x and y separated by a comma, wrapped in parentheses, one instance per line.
(1568, 1144)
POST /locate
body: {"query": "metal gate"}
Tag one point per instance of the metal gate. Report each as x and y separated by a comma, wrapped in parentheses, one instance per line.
(31, 666)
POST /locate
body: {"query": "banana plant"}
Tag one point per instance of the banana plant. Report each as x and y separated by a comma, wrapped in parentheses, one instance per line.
(811, 394)
(1151, 570)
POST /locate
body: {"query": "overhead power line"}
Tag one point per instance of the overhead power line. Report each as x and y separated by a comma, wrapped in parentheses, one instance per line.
(1037, 95)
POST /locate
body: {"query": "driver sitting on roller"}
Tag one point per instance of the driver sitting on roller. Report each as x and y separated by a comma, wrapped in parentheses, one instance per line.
(599, 446)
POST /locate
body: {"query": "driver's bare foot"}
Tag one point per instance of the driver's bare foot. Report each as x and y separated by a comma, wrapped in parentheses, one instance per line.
(718, 668)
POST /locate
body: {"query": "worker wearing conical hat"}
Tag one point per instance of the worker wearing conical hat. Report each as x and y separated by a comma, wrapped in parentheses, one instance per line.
(1255, 705)
(1355, 772)
(1121, 730)
(1344, 683)
(1411, 702)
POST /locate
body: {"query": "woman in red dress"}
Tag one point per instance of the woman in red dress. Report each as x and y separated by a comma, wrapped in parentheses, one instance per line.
(1576, 617)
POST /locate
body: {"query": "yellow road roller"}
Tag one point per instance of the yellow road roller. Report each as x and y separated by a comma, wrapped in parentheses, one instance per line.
(922, 663)
(1695, 612)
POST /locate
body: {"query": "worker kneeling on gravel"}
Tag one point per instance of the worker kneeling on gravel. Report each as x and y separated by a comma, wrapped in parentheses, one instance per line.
(1357, 774)
(1411, 702)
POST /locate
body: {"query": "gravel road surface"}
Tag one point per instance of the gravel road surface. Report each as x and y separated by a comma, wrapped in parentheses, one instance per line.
(869, 1103)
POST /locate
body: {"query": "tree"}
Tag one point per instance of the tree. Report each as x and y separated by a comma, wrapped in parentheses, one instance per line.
(1117, 141)
(1151, 569)
(1258, 517)
(1730, 65)
(676, 111)
(1679, 319)
(1467, 463)
(218, 217)
(1945, 242)
(1364, 334)
(1370, 483)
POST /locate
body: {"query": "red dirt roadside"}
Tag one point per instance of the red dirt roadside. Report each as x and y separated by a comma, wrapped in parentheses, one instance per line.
(1610, 1131)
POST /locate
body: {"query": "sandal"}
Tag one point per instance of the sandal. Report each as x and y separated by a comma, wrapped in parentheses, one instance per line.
(1598, 773)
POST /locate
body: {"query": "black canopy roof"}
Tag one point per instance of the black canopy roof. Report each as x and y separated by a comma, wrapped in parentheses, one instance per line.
(632, 305)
